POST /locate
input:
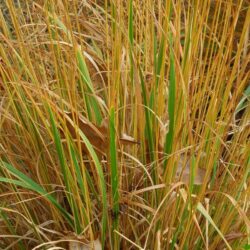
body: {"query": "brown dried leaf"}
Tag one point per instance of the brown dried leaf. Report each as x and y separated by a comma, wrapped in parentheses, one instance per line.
(98, 136)
(183, 170)
(126, 139)
(95, 245)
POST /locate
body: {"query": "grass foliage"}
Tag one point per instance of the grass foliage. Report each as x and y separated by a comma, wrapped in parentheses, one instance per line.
(124, 124)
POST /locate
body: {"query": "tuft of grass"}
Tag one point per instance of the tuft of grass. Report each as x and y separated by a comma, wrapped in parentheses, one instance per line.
(124, 124)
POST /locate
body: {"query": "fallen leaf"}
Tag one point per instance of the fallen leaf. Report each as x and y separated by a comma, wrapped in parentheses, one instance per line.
(184, 171)
(98, 136)
(126, 139)
(95, 245)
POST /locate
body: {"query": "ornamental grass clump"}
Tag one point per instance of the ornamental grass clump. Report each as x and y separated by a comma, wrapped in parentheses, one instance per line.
(124, 124)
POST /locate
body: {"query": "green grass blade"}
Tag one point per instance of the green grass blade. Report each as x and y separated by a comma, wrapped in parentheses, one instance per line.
(245, 100)
(203, 211)
(77, 169)
(113, 161)
(15, 182)
(65, 171)
(26, 182)
(192, 175)
(59, 149)
(84, 73)
(84, 70)
(149, 134)
(102, 184)
(114, 174)
(171, 105)
(79, 178)
(160, 59)
(89, 90)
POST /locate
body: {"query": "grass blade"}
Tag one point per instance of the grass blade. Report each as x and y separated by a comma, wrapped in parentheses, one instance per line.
(88, 91)
(203, 211)
(67, 177)
(171, 106)
(59, 149)
(114, 176)
(28, 183)
(102, 182)
(149, 134)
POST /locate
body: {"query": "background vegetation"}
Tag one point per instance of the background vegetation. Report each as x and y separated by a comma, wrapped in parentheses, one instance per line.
(124, 124)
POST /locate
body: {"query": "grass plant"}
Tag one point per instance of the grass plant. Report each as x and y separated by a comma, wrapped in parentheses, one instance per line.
(124, 124)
